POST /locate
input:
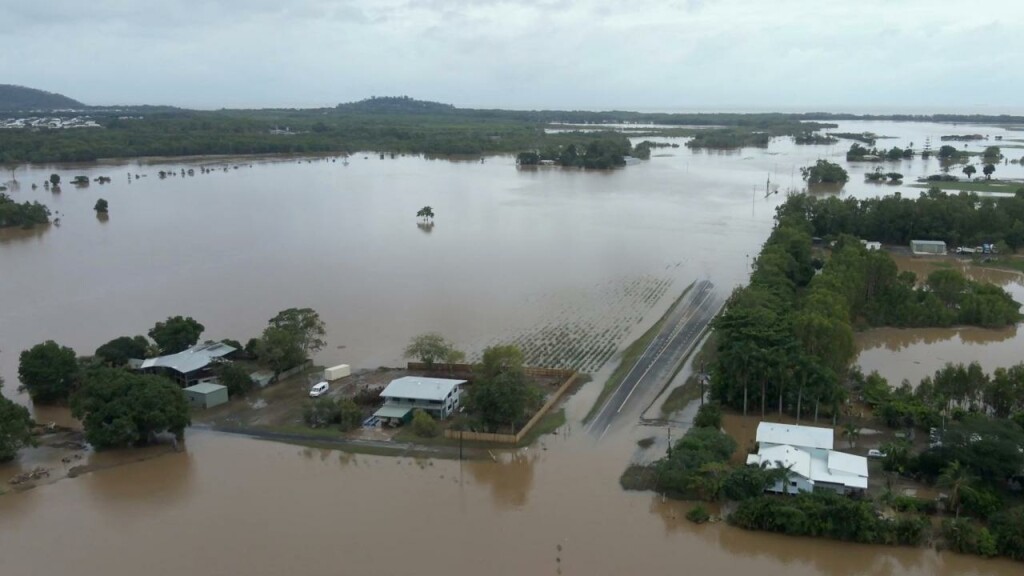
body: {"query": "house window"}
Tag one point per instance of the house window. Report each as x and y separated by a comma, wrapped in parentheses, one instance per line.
(792, 483)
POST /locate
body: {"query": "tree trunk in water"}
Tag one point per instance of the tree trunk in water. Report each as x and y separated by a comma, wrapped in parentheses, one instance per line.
(816, 404)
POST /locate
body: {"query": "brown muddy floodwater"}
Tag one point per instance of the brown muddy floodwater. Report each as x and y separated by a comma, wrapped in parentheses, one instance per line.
(579, 261)
(911, 354)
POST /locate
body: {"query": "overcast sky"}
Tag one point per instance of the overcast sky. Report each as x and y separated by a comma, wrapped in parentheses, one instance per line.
(864, 55)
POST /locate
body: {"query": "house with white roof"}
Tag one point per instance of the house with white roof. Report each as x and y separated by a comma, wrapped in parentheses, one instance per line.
(438, 397)
(807, 452)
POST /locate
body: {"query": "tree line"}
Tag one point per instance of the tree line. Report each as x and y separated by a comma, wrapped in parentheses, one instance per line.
(960, 219)
(609, 151)
(786, 339)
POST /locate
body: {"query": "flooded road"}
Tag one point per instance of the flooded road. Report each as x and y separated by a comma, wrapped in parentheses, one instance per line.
(512, 254)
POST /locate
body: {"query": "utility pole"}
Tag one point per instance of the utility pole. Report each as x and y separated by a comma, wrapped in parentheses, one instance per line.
(700, 377)
(669, 430)
(460, 445)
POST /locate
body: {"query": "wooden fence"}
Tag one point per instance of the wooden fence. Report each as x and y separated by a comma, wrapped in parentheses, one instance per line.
(518, 436)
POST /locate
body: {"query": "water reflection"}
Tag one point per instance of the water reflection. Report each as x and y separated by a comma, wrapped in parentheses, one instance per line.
(509, 477)
(897, 339)
(21, 235)
(425, 227)
(126, 478)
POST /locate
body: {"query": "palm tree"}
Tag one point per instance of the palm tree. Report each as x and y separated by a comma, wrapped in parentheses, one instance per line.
(851, 432)
(779, 474)
(426, 213)
(959, 481)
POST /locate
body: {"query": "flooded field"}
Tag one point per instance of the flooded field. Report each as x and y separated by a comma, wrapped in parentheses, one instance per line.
(575, 264)
(912, 354)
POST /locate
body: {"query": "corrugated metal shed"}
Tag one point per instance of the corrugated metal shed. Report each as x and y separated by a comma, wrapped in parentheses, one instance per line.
(190, 360)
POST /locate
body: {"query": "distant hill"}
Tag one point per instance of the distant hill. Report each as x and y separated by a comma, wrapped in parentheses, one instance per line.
(21, 98)
(395, 105)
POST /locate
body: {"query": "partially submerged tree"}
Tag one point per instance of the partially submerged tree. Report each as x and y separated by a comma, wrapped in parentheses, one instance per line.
(988, 170)
(15, 428)
(118, 351)
(101, 206)
(425, 213)
(969, 171)
(175, 334)
(119, 408)
(48, 371)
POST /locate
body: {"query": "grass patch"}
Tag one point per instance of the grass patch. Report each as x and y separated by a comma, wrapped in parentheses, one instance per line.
(1004, 264)
(632, 354)
(688, 391)
(638, 477)
(986, 186)
(645, 443)
(550, 422)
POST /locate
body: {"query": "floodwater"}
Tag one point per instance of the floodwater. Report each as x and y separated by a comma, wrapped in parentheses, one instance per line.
(588, 256)
(911, 354)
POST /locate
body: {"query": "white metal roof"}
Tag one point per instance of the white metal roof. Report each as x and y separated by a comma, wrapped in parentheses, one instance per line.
(841, 462)
(831, 467)
(794, 435)
(418, 388)
(799, 461)
(205, 388)
(189, 360)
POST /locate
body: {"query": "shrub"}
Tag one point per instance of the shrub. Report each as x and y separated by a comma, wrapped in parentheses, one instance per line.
(349, 415)
(320, 413)
(709, 416)
(424, 425)
(698, 515)
(1008, 528)
(967, 538)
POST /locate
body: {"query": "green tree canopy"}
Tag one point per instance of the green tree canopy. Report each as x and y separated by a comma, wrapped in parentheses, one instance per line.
(424, 425)
(118, 351)
(101, 206)
(305, 327)
(235, 378)
(503, 401)
(119, 408)
(175, 334)
(498, 360)
(279, 348)
(15, 428)
(431, 348)
(48, 371)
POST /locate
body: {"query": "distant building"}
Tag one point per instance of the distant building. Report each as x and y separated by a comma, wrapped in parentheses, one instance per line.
(813, 464)
(928, 247)
(438, 397)
(187, 367)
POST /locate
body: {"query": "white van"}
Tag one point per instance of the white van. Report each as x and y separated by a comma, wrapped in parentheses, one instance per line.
(319, 389)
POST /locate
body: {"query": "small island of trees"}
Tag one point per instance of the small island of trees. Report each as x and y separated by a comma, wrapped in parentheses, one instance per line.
(24, 215)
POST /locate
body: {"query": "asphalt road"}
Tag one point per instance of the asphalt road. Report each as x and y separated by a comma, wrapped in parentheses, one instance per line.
(679, 334)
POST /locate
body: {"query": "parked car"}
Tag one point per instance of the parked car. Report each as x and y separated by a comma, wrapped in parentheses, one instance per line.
(319, 389)
(873, 453)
